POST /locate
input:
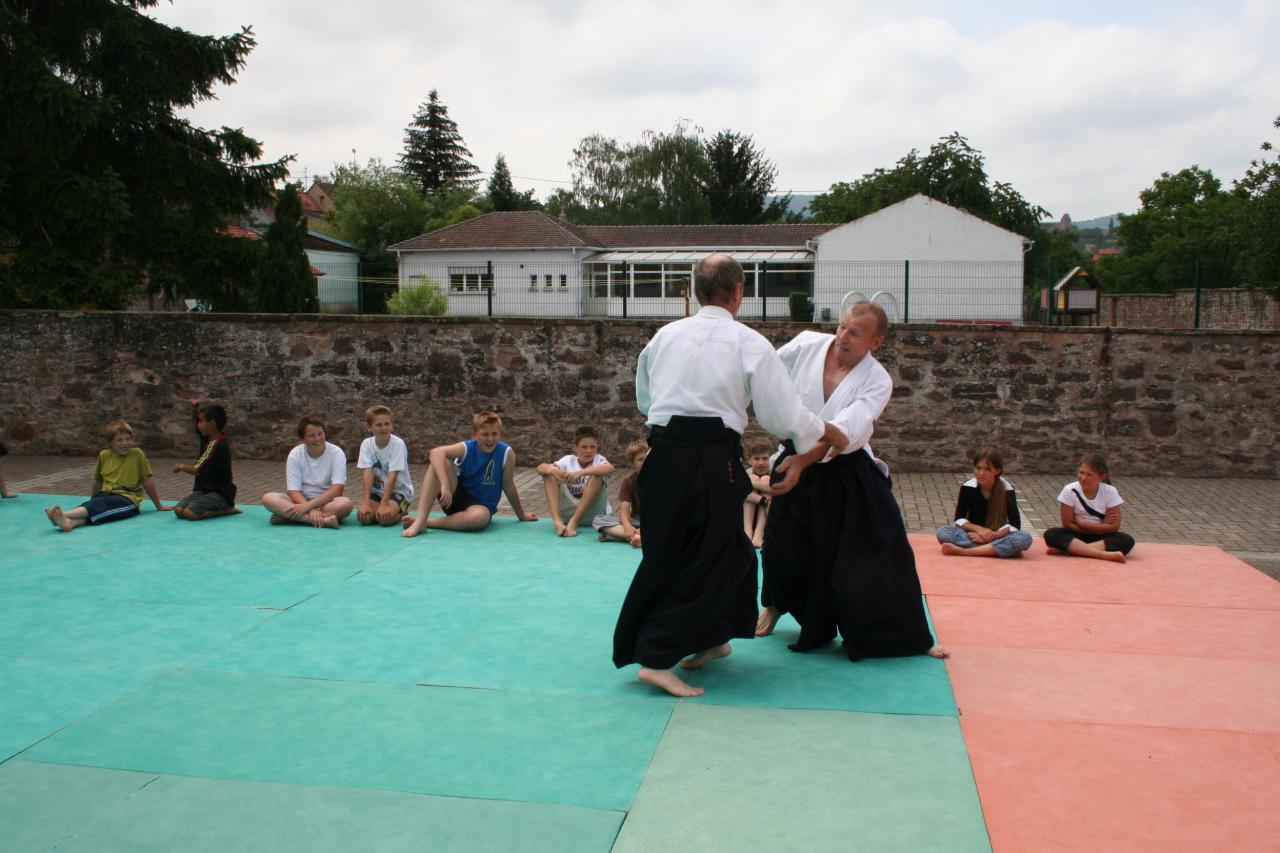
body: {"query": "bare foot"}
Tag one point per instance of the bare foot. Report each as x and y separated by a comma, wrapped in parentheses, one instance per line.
(569, 530)
(410, 532)
(721, 651)
(331, 521)
(767, 620)
(668, 681)
(1113, 556)
(1054, 551)
(952, 549)
(938, 652)
(60, 520)
(277, 519)
(635, 540)
(559, 526)
(758, 541)
(48, 513)
(407, 521)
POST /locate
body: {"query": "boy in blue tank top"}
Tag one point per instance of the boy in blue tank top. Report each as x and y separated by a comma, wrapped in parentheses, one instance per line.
(468, 479)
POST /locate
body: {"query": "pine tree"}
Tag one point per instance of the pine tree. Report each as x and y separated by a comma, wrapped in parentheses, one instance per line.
(503, 194)
(286, 284)
(739, 181)
(434, 155)
(106, 193)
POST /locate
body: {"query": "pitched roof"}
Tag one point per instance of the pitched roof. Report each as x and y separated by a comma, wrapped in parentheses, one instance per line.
(533, 229)
(509, 229)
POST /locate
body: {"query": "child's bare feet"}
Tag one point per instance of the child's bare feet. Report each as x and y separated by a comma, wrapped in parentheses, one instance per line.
(766, 621)
(568, 530)
(938, 652)
(559, 526)
(1113, 556)
(1054, 551)
(668, 681)
(48, 513)
(721, 651)
(331, 521)
(635, 539)
(59, 520)
(278, 519)
(407, 521)
(952, 549)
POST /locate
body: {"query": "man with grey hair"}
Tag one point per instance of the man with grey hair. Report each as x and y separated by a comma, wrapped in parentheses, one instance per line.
(695, 588)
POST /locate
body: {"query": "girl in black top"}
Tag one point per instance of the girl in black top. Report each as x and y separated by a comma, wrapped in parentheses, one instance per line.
(987, 521)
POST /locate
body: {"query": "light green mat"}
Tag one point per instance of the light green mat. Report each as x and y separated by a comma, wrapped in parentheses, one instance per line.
(43, 805)
(586, 751)
(737, 779)
(38, 696)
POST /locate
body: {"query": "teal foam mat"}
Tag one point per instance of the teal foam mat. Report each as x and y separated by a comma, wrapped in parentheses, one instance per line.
(586, 751)
(87, 809)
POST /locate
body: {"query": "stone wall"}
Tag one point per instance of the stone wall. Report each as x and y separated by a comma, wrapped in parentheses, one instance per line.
(1220, 308)
(1188, 403)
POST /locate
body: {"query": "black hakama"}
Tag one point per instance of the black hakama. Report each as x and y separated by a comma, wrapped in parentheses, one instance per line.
(836, 556)
(696, 584)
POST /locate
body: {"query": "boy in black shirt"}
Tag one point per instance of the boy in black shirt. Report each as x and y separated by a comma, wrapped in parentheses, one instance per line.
(214, 492)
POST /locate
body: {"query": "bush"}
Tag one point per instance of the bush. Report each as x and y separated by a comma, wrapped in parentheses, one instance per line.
(801, 307)
(423, 297)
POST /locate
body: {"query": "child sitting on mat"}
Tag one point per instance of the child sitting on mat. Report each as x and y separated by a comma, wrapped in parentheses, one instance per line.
(987, 521)
(1090, 512)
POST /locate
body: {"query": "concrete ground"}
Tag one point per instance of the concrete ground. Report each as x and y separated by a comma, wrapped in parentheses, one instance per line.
(1238, 515)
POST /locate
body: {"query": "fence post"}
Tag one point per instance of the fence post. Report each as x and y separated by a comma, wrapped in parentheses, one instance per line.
(1197, 293)
(763, 287)
(906, 291)
(489, 295)
(626, 289)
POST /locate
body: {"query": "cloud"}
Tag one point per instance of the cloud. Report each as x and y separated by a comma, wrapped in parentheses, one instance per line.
(1079, 108)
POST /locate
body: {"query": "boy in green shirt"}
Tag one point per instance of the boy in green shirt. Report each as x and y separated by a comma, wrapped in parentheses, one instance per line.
(119, 479)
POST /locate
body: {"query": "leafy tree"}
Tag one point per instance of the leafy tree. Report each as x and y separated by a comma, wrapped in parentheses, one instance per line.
(1259, 260)
(420, 299)
(502, 193)
(739, 181)
(375, 206)
(952, 172)
(107, 194)
(656, 181)
(286, 284)
(1185, 220)
(434, 155)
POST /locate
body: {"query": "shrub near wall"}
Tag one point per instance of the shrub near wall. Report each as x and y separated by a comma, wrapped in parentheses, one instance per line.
(1189, 403)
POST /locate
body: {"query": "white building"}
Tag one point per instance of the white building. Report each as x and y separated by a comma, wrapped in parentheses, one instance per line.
(922, 259)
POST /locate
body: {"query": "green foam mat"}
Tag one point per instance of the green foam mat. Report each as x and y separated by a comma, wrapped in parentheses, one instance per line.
(390, 626)
(40, 696)
(87, 809)
(585, 751)
(43, 806)
(122, 632)
(736, 779)
(764, 672)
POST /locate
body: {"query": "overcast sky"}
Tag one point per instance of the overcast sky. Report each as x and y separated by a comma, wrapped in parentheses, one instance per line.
(1078, 105)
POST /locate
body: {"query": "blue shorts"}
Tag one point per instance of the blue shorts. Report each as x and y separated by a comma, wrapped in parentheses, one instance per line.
(104, 507)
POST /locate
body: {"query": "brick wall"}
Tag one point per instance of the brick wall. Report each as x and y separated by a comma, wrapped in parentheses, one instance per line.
(1223, 308)
(1192, 403)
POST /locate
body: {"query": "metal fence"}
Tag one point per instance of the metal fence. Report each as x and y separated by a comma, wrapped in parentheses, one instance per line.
(909, 290)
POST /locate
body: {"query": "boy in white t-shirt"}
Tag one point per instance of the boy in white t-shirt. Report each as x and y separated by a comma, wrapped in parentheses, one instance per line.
(384, 463)
(315, 475)
(577, 485)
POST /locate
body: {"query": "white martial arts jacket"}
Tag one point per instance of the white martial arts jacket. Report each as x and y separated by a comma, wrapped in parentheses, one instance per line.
(710, 365)
(856, 402)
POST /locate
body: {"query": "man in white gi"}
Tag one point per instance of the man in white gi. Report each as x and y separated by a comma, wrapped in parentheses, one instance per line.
(837, 556)
(695, 587)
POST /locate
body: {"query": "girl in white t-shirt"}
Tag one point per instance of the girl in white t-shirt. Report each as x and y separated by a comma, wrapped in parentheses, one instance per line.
(1090, 511)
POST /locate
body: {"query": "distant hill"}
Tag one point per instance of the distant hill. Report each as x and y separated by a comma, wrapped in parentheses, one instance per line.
(1099, 222)
(798, 202)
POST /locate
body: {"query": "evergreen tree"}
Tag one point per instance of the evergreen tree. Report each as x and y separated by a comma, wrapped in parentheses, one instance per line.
(502, 193)
(434, 156)
(105, 193)
(286, 284)
(739, 180)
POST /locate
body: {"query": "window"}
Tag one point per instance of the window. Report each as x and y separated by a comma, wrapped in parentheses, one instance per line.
(646, 280)
(548, 280)
(781, 283)
(677, 280)
(470, 279)
(564, 280)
